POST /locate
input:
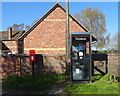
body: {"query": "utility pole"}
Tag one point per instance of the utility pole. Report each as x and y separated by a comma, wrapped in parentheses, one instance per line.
(67, 40)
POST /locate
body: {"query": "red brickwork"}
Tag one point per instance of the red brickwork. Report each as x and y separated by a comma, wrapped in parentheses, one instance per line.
(113, 61)
(50, 34)
(108, 63)
(55, 63)
(10, 66)
(44, 64)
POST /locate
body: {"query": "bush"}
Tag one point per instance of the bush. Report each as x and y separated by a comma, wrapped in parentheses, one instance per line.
(105, 52)
(96, 77)
(36, 83)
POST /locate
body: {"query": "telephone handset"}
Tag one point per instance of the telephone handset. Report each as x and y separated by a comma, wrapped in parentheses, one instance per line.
(78, 52)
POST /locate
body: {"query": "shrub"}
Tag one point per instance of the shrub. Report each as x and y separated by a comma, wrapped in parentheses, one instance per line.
(41, 83)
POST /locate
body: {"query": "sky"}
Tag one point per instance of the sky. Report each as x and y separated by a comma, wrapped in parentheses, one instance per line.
(29, 12)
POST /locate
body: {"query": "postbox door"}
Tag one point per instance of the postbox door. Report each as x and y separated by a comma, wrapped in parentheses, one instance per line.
(32, 56)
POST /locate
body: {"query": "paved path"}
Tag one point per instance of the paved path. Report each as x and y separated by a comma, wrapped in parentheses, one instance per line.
(22, 93)
(58, 88)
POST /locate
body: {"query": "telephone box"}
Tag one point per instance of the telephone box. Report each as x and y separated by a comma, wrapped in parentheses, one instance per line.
(81, 67)
(32, 56)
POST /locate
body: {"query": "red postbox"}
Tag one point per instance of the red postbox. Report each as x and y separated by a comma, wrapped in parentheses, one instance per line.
(32, 56)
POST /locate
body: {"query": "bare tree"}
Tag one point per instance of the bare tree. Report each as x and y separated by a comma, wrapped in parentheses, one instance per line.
(114, 42)
(20, 27)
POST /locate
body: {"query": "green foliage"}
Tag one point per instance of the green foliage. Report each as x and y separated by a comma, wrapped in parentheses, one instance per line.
(61, 77)
(104, 79)
(102, 86)
(106, 52)
(96, 77)
(36, 83)
(94, 20)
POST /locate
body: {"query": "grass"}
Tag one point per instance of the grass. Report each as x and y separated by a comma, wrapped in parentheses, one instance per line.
(99, 86)
(96, 77)
(30, 83)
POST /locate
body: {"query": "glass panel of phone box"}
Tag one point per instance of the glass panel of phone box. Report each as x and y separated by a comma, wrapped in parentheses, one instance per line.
(80, 57)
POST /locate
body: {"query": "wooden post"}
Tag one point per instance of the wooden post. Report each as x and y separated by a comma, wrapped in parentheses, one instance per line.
(67, 41)
(33, 71)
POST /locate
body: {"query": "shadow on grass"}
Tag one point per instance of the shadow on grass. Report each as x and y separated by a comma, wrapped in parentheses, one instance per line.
(30, 83)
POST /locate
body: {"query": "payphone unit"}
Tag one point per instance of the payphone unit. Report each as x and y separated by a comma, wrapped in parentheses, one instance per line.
(81, 56)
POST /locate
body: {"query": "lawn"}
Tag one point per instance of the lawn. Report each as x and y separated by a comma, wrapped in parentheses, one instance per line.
(43, 83)
(100, 85)
(30, 83)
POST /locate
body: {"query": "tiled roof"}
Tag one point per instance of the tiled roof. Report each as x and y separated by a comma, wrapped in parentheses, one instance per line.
(15, 35)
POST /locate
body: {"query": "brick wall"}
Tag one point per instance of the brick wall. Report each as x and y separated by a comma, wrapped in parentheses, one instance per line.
(113, 63)
(10, 66)
(49, 36)
(44, 64)
(107, 63)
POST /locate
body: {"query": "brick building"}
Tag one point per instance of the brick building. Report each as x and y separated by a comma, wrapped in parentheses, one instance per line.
(49, 32)
(47, 36)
